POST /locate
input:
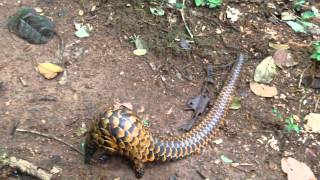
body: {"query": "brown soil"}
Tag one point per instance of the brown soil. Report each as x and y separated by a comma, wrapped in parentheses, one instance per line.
(102, 70)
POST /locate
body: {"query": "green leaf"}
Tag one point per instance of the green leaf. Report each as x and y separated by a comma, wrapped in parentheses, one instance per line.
(213, 3)
(306, 24)
(235, 103)
(297, 27)
(157, 11)
(146, 122)
(276, 112)
(82, 30)
(179, 5)
(298, 5)
(225, 159)
(315, 56)
(308, 15)
(199, 2)
(292, 125)
(316, 51)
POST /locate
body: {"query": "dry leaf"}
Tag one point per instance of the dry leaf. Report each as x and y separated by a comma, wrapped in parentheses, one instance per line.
(279, 46)
(140, 52)
(49, 70)
(283, 58)
(296, 170)
(263, 90)
(313, 122)
(265, 71)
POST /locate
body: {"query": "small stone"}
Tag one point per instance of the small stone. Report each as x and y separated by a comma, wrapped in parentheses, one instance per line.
(38, 10)
(55, 170)
(81, 12)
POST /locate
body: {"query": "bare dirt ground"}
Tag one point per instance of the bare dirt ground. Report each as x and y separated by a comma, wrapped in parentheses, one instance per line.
(102, 70)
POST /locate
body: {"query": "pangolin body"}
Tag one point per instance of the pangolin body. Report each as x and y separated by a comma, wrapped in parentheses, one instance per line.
(120, 131)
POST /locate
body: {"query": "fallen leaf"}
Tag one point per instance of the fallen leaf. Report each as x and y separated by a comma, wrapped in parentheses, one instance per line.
(235, 103)
(263, 90)
(279, 46)
(265, 71)
(157, 11)
(283, 58)
(233, 14)
(297, 27)
(287, 16)
(296, 170)
(313, 122)
(225, 159)
(140, 52)
(49, 70)
(82, 30)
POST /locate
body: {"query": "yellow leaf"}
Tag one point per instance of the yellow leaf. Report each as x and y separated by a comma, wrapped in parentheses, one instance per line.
(49, 70)
(140, 52)
(279, 46)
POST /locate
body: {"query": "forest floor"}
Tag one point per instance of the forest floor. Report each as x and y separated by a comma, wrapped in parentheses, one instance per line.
(103, 71)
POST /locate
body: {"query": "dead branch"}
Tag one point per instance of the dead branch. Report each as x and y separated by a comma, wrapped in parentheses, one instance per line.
(26, 167)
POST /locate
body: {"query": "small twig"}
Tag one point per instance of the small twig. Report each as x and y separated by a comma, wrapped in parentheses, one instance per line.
(300, 103)
(317, 103)
(201, 174)
(50, 137)
(184, 20)
(302, 74)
